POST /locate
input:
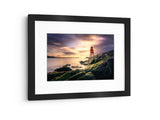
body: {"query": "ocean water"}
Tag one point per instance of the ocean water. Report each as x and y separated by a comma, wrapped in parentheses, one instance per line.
(54, 63)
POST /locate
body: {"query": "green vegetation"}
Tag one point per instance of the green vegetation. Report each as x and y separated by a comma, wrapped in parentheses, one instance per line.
(67, 75)
(52, 75)
(76, 76)
(87, 76)
(100, 66)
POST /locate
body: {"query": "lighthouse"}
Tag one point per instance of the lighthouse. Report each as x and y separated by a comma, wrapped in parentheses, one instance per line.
(91, 52)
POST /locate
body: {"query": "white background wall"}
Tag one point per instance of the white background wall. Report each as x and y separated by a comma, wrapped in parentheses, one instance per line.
(145, 100)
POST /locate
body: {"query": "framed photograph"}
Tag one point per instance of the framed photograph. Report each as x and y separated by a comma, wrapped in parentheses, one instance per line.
(78, 57)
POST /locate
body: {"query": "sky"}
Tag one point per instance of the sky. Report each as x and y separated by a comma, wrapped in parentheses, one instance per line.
(78, 45)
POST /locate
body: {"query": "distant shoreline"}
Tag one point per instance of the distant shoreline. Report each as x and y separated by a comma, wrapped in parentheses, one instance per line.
(60, 57)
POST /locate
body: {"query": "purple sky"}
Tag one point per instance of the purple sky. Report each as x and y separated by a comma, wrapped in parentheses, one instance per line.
(78, 45)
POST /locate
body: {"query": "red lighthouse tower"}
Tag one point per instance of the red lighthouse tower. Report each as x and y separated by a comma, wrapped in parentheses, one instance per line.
(91, 52)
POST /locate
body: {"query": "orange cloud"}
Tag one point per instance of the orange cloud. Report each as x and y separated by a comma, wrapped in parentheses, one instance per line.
(80, 48)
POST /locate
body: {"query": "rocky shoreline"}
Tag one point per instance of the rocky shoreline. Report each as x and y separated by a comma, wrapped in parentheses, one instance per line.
(100, 66)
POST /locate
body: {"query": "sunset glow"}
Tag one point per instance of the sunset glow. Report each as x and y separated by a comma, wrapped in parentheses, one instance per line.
(77, 45)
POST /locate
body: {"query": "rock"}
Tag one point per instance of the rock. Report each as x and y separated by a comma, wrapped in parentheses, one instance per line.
(64, 68)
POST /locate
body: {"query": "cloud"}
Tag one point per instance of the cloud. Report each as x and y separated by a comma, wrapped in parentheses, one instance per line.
(82, 51)
(67, 49)
(69, 53)
(78, 44)
(59, 39)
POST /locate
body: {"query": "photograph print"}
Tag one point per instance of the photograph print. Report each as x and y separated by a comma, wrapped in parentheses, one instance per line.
(78, 57)
(73, 57)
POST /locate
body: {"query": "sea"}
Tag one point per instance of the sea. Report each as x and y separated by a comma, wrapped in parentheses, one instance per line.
(54, 63)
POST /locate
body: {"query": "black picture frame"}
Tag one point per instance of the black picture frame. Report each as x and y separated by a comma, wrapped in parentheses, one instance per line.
(31, 56)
